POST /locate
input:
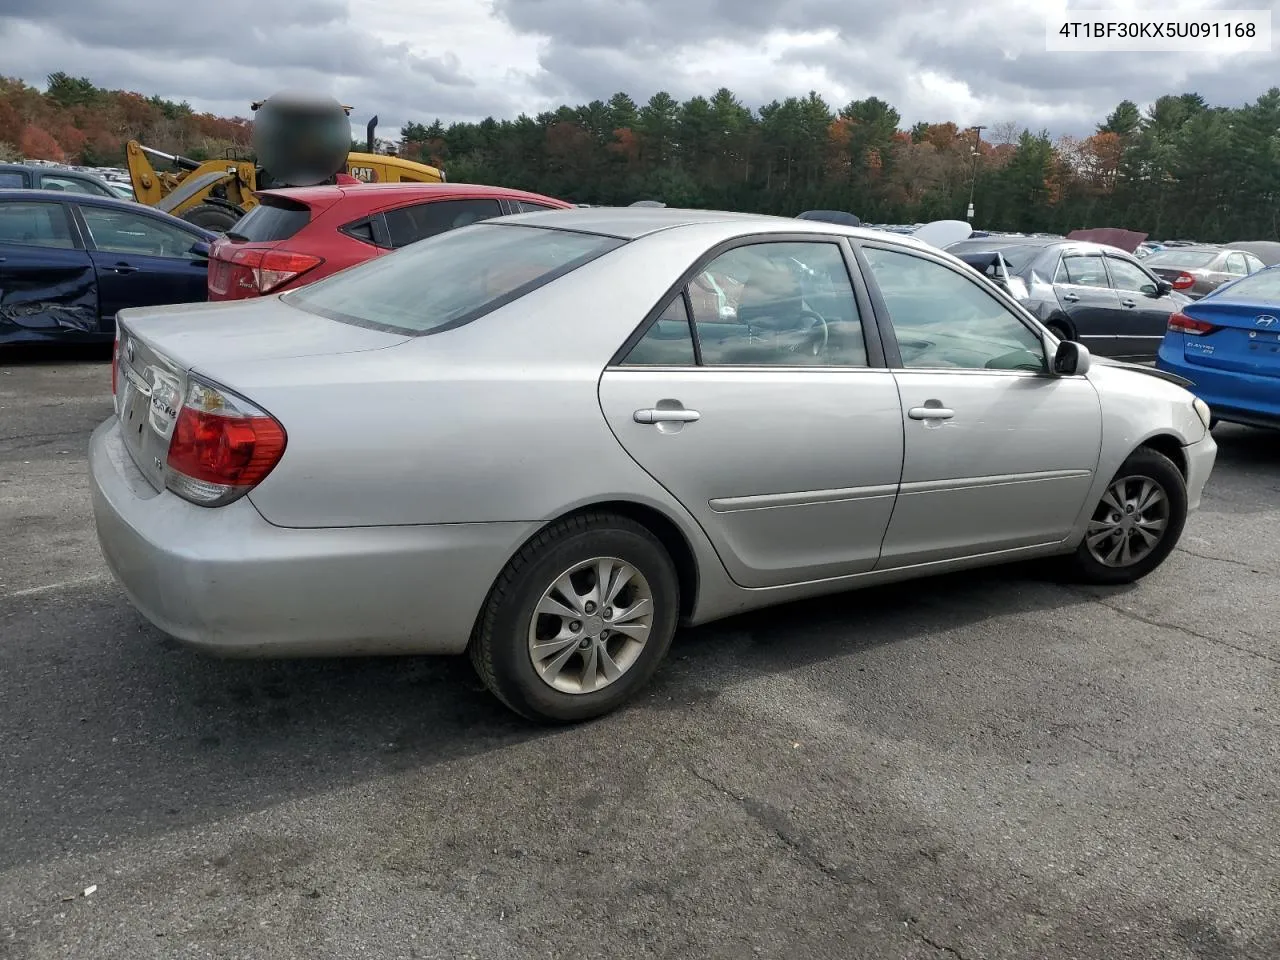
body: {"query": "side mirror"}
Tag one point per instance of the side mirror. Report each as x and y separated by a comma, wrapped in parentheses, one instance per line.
(200, 249)
(1071, 359)
(1164, 288)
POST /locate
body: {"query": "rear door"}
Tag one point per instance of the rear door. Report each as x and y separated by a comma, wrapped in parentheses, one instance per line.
(47, 281)
(1085, 295)
(141, 260)
(757, 397)
(1144, 311)
(409, 224)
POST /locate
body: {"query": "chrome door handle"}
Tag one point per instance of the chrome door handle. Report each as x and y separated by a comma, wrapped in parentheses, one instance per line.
(1127, 303)
(658, 415)
(1070, 297)
(124, 268)
(930, 413)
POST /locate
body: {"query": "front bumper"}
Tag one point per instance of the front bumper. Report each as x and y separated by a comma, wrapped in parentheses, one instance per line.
(225, 580)
(1201, 457)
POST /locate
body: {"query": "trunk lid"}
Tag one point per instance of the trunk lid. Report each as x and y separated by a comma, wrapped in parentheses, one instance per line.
(236, 260)
(159, 346)
(1247, 339)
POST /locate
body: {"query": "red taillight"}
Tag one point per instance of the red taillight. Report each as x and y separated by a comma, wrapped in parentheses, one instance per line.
(269, 269)
(222, 446)
(1181, 323)
(1184, 281)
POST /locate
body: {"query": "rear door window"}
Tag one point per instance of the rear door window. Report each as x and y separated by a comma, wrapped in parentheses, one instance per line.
(35, 224)
(410, 224)
(73, 185)
(528, 206)
(1236, 265)
(1082, 271)
(12, 181)
(273, 219)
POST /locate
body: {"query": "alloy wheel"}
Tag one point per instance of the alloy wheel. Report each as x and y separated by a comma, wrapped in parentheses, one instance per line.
(591, 625)
(1129, 523)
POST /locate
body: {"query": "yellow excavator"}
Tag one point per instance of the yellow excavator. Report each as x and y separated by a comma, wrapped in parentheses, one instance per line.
(298, 140)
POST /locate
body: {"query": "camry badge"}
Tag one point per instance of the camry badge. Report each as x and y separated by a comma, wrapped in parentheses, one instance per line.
(1266, 320)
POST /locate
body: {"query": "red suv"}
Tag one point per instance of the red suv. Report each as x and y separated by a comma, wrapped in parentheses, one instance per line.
(295, 236)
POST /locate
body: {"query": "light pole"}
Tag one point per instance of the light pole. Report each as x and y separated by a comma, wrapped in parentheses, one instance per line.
(973, 177)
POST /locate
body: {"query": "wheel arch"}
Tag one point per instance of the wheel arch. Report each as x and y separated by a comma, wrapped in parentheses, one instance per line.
(1170, 446)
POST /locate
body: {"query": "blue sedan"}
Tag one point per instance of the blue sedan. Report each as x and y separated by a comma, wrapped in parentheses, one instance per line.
(70, 262)
(1228, 345)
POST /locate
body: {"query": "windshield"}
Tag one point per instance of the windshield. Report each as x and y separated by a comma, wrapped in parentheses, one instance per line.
(1018, 256)
(450, 279)
(1262, 287)
(1181, 259)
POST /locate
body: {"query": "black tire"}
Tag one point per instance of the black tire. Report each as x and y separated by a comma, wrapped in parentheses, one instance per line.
(499, 645)
(1148, 464)
(1059, 330)
(212, 216)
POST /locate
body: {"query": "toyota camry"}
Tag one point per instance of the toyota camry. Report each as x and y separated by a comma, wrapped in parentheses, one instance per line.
(548, 440)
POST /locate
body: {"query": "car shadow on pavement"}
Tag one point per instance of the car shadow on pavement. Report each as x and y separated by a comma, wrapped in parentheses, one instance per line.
(153, 737)
(1247, 446)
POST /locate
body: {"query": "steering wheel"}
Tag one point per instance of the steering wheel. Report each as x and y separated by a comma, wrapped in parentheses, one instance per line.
(816, 343)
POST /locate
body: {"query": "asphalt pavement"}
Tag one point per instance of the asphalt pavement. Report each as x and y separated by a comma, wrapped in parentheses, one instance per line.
(981, 766)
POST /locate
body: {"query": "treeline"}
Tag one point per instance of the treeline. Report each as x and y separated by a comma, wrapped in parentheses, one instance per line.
(74, 121)
(1183, 168)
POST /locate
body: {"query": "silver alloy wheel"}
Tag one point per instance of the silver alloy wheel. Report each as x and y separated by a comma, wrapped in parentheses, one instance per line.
(591, 625)
(1129, 523)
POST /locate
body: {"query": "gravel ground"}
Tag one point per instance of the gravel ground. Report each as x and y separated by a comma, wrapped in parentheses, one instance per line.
(981, 766)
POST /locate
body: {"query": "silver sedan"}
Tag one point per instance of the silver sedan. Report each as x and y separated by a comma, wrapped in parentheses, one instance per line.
(550, 439)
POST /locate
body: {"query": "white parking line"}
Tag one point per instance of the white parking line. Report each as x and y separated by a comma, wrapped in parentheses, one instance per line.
(51, 587)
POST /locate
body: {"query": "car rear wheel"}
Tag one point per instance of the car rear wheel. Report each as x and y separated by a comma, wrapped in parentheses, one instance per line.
(1136, 524)
(579, 619)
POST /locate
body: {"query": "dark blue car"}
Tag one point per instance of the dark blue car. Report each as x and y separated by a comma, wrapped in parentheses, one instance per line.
(1228, 345)
(70, 262)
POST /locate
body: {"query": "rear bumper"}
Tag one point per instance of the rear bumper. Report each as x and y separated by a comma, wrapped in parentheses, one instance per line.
(1234, 397)
(225, 580)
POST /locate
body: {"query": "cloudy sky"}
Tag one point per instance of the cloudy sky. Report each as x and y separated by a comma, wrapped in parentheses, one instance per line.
(971, 61)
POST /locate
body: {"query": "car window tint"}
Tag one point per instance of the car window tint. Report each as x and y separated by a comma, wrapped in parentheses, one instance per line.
(450, 279)
(668, 342)
(9, 180)
(274, 218)
(943, 319)
(410, 224)
(1127, 276)
(1082, 270)
(527, 206)
(778, 304)
(35, 225)
(360, 230)
(74, 185)
(125, 232)
(1236, 265)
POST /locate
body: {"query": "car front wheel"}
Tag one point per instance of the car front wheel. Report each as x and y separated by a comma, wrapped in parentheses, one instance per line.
(579, 619)
(1136, 524)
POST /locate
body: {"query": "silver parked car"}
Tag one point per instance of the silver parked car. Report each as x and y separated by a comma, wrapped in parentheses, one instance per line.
(549, 439)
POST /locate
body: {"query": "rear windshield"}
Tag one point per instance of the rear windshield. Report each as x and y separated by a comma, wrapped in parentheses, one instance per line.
(273, 219)
(450, 279)
(1261, 287)
(1017, 255)
(1181, 259)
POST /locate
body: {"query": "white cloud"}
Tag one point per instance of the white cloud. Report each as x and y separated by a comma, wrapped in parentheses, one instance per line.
(465, 59)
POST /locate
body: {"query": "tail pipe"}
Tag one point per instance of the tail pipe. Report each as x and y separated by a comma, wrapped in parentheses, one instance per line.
(368, 135)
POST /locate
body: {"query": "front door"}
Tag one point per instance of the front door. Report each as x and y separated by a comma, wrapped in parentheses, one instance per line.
(753, 401)
(999, 454)
(1144, 311)
(142, 261)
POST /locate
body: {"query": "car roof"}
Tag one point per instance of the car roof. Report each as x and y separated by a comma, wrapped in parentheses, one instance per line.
(90, 200)
(390, 192)
(631, 223)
